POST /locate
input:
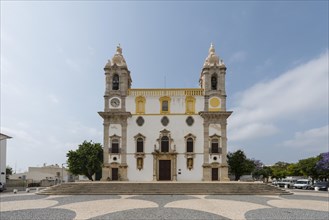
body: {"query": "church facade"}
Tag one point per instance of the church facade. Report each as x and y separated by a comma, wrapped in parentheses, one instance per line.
(165, 134)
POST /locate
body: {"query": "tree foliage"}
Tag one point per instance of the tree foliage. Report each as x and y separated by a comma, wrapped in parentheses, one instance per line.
(9, 171)
(239, 164)
(260, 171)
(308, 167)
(279, 170)
(323, 165)
(86, 160)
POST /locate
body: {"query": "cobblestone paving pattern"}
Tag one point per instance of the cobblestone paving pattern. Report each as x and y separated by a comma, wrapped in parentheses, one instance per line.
(301, 205)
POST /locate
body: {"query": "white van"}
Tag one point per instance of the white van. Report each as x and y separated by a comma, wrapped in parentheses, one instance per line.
(303, 184)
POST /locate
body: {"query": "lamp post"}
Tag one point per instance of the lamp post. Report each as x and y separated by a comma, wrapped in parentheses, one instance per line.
(62, 180)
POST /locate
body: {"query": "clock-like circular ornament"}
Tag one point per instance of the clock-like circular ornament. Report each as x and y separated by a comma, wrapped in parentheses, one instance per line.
(115, 102)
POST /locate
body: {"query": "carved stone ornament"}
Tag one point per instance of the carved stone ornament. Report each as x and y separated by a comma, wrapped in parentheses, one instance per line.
(212, 59)
(118, 59)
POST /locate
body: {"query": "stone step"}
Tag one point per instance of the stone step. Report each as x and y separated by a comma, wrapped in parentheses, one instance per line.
(163, 188)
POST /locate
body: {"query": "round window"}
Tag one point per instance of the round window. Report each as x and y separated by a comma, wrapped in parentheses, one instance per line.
(189, 121)
(140, 121)
(165, 121)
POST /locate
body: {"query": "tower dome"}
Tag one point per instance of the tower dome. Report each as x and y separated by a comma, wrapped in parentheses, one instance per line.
(212, 59)
(118, 59)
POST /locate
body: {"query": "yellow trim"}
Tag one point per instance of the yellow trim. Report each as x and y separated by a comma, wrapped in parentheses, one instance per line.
(140, 104)
(214, 102)
(166, 92)
(214, 109)
(162, 114)
(190, 105)
(163, 99)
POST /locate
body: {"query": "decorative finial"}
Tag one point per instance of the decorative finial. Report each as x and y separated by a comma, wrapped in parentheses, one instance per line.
(119, 49)
(212, 48)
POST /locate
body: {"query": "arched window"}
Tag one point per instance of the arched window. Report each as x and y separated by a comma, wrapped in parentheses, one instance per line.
(214, 82)
(115, 82)
(140, 145)
(214, 146)
(165, 105)
(189, 145)
(115, 146)
(164, 144)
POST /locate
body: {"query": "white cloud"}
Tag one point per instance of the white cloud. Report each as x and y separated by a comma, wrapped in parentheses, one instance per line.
(239, 56)
(253, 130)
(72, 64)
(53, 99)
(291, 95)
(315, 139)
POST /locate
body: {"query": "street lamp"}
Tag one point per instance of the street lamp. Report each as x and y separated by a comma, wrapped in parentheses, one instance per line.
(62, 180)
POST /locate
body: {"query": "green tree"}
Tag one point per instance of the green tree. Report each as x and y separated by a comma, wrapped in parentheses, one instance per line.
(239, 164)
(9, 171)
(308, 167)
(262, 172)
(293, 169)
(86, 160)
(279, 170)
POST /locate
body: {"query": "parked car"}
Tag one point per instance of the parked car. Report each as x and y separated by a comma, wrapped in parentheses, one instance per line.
(2, 187)
(320, 185)
(303, 184)
(287, 183)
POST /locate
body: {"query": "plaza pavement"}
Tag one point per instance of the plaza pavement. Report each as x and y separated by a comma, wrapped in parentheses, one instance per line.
(301, 205)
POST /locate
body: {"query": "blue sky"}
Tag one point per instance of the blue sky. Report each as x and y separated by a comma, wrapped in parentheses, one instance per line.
(53, 54)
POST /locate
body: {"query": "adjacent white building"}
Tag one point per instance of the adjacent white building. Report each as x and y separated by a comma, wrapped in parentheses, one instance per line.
(165, 134)
(3, 156)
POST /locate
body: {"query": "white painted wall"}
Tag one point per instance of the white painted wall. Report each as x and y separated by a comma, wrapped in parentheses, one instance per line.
(151, 130)
(194, 174)
(3, 151)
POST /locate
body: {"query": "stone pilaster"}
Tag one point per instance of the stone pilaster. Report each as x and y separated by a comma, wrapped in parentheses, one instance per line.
(206, 166)
(222, 74)
(206, 172)
(154, 167)
(205, 141)
(124, 142)
(123, 172)
(105, 169)
(124, 165)
(224, 166)
(174, 168)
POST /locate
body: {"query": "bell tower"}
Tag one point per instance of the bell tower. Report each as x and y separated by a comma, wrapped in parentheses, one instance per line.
(118, 81)
(212, 80)
(117, 84)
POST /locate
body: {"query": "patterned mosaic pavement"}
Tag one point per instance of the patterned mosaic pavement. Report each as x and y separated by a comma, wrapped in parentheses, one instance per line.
(301, 205)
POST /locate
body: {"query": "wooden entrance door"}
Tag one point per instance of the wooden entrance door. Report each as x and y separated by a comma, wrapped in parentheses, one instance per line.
(214, 174)
(115, 174)
(164, 169)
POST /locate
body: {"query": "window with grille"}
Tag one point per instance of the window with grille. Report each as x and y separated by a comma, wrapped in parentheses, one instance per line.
(165, 144)
(189, 145)
(140, 145)
(214, 146)
(115, 146)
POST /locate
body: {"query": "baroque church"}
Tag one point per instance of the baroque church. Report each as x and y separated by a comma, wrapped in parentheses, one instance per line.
(165, 134)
